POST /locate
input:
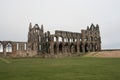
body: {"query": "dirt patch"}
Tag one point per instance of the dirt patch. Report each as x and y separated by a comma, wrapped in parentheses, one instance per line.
(109, 54)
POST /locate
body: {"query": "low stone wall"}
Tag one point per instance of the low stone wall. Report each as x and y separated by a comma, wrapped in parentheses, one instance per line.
(21, 54)
(59, 55)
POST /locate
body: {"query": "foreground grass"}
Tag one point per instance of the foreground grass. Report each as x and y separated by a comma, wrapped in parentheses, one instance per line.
(76, 68)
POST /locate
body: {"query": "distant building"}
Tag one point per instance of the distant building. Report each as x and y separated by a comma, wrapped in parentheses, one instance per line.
(62, 42)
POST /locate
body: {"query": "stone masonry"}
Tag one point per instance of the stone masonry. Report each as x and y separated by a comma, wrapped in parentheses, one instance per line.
(62, 42)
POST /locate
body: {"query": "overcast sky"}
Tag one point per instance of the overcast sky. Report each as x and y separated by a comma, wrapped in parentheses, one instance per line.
(68, 15)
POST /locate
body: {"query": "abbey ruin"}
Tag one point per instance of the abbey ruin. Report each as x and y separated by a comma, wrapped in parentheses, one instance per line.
(45, 43)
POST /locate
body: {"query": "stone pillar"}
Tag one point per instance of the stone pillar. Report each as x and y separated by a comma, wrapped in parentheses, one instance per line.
(63, 47)
(83, 48)
(57, 48)
(68, 49)
(73, 40)
(78, 48)
(88, 47)
(4, 50)
(51, 48)
(68, 39)
(56, 39)
(93, 47)
(97, 47)
(14, 48)
(62, 39)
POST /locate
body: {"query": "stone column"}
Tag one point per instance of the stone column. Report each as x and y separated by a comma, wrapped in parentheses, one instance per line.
(62, 39)
(78, 48)
(83, 48)
(4, 50)
(88, 48)
(56, 39)
(63, 48)
(51, 48)
(57, 48)
(14, 48)
(68, 39)
(93, 47)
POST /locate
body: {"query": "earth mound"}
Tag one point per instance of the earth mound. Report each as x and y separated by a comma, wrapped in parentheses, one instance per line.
(109, 54)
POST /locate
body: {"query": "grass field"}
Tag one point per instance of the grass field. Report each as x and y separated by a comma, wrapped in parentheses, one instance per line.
(75, 68)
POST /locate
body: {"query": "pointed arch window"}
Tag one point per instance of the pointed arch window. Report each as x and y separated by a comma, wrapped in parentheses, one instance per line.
(9, 47)
(1, 47)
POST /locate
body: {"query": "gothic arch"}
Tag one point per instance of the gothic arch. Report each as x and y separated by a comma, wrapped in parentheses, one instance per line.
(75, 40)
(55, 38)
(75, 47)
(80, 48)
(86, 47)
(72, 48)
(60, 48)
(9, 47)
(65, 39)
(92, 47)
(71, 40)
(60, 39)
(36, 26)
(40, 47)
(1, 47)
(55, 48)
(48, 47)
(67, 48)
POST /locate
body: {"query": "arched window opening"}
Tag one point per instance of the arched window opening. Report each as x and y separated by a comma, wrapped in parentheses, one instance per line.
(91, 47)
(25, 46)
(71, 40)
(80, 48)
(55, 39)
(75, 40)
(95, 38)
(60, 47)
(60, 39)
(40, 48)
(86, 48)
(46, 39)
(36, 30)
(9, 47)
(65, 39)
(92, 27)
(39, 38)
(85, 39)
(91, 38)
(48, 48)
(75, 48)
(96, 47)
(55, 49)
(67, 48)
(1, 47)
(72, 48)
(17, 46)
(80, 39)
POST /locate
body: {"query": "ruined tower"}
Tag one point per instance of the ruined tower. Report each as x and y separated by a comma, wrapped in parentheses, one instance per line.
(34, 38)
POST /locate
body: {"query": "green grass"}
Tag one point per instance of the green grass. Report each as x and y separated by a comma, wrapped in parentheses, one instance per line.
(75, 68)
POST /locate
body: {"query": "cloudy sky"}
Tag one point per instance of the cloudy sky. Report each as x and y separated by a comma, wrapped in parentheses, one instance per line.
(68, 15)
